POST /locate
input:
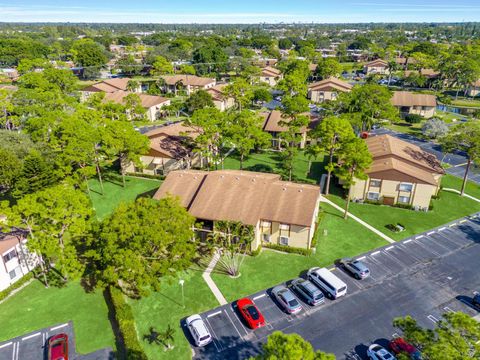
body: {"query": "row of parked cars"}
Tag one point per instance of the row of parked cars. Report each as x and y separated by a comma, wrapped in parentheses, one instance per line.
(320, 283)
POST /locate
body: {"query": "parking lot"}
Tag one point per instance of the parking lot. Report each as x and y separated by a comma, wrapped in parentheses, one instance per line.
(32, 346)
(423, 276)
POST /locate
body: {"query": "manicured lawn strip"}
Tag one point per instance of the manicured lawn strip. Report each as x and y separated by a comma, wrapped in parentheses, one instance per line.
(467, 103)
(162, 308)
(115, 193)
(448, 207)
(36, 307)
(406, 128)
(336, 238)
(269, 161)
(453, 182)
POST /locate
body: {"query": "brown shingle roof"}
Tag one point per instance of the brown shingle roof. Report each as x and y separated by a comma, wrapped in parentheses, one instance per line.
(428, 73)
(390, 153)
(330, 84)
(8, 241)
(407, 98)
(274, 117)
(147, 100)
(242, 196)
(217, 92)
(377, 63)
(191, 80)
(170, 140)
(109, 85)
(271, 71)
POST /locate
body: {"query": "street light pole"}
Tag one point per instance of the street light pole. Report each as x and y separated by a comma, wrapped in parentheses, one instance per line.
(181, 282)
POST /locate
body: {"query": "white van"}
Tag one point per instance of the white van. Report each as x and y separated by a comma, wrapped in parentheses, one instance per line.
(331, 285)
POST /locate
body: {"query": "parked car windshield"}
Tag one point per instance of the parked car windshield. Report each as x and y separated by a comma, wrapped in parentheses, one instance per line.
(293, 302)
(252, 311)
(206, 337)
(342, 289)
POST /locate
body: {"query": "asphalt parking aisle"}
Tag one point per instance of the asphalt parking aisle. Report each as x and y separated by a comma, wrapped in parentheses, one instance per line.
(401, 254)
(456, 236)
(432, 245)
(378, 271)
(32, 344)
(8, 350)
(274, 315)
(443, 240)
(419, 250)
(389, 262)
(226, 334)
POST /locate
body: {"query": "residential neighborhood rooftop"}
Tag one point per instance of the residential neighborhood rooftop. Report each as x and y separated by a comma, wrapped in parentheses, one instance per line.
(242, 196)
(407, 98)
(330, 84)
(191, 80)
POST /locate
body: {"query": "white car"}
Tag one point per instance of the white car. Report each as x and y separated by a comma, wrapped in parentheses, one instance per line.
(377, 352)
(199, 330)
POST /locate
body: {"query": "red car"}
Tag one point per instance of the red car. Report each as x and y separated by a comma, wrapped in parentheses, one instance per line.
(400, 346)
(58, 347)
(250, 313)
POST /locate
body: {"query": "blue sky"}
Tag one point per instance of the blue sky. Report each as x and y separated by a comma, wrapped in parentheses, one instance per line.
(240, 11)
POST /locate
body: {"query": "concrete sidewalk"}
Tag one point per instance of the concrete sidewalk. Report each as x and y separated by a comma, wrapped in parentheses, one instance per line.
(360, 221)
(211, 284)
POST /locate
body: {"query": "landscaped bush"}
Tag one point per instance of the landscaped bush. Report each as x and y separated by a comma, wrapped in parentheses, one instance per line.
(16, 285)
(403, 206)
(126, 324)
(256, 252)
(147, 176)
(413, 118)
(395, 227)
(289, 249)
(372, 202)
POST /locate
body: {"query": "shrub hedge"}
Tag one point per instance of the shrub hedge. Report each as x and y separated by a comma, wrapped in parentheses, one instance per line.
(288, 249)
(126, 324)
(16, 285)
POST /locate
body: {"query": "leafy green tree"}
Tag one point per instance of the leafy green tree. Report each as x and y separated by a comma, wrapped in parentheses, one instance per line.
(464, 137)
(262, 94)
(295, 77)
(241, 91)
(210, 59)
(128, 65)
(285, 43)
(332, 134)
(244, 131)
(328, 67)
(57, 219)
(122, 141)
(371, 102)
(87, 52)
(200, 99)
(290, 346)
(37, 173)
(6, 108)
(456, 337)
(10, 169)
(354, 159)
(133, 107)
(143, 243)
(161, 66)
(210, 124)
(187, 69)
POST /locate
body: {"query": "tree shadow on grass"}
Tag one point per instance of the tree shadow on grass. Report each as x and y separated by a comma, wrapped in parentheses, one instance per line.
(119, 343)
(147, 194)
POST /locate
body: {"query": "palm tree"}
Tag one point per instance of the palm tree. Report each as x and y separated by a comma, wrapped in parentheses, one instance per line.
(132, 85)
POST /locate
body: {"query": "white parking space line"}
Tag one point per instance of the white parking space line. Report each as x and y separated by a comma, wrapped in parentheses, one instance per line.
(13, 352)
(241, 323)
(30, 336)
(361, 258)
(407, 241)
(375, 253)
(432, 318)
(5, 345)
(389, 248)
(441, 229)
(464, 220)
(215, 341)
(59, 327)
(430, 233)
(446, 308)
(229, 318)
(259, 296)
(452, 225)
(419, 237)
(215, 313)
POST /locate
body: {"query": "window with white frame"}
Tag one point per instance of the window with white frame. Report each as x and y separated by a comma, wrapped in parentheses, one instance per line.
(284, 227)
(375, 183)
(404, 199)
(266, 237)
(373, 195)
(266, 224)
(283, 240)
(406, 187)
(9, 256)
(14, 273)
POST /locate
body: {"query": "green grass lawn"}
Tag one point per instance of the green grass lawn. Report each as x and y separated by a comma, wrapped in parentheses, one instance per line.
(406, 128)
(269, 161)
(448, 207)
(164, 308)
(453, 182)
(336, 238)
(467, 102)
(115, 193)
(35, 307)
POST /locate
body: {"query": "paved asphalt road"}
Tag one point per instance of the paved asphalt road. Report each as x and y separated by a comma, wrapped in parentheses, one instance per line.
(457, 160)
(424, 276)
(32, 346)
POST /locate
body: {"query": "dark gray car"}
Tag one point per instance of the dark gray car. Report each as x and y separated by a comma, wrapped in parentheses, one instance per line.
(308, 291)
(355, 267)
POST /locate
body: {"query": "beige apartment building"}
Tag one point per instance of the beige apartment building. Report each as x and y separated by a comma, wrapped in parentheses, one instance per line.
(377, 66)
(280, 212)
(327, 89)
(270, 75)
(410, 103)
(188, 83)
(401, 173)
